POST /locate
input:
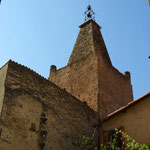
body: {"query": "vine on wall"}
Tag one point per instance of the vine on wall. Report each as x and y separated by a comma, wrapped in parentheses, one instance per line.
(127, 143)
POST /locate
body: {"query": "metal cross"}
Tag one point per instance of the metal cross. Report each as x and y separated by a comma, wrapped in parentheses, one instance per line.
(89, 13)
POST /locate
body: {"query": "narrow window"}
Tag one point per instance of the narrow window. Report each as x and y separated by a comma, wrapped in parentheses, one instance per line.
(115, 137)
(0, 132)
(33, 127)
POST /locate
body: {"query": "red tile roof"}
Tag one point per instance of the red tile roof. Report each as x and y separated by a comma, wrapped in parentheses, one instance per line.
(124, 108)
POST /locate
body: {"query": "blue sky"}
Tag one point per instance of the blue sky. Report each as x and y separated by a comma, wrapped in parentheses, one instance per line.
(39, 33)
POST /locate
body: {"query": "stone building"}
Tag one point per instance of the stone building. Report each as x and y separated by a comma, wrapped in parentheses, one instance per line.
(89, 68)
(41, 114)
(35, 114)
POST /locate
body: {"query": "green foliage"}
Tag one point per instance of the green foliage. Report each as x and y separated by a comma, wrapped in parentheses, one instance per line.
(132, 144)
(86, 144)
(127, 143)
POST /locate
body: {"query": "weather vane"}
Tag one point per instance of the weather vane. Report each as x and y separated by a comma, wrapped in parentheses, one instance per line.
(89, 13)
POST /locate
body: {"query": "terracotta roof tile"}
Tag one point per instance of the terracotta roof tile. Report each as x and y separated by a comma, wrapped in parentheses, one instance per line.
(124, 108)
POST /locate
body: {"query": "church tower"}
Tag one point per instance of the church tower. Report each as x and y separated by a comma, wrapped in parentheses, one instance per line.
(89, 68)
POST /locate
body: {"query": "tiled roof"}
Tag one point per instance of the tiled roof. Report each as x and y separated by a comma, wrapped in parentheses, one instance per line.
(124, 108)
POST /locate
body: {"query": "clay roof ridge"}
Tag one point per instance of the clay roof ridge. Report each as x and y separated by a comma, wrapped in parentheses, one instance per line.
(124, 108)
(54, 85)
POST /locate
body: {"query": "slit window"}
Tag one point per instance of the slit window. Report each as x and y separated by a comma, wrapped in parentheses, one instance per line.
(113, 137)
(33, 127)
(0, 132)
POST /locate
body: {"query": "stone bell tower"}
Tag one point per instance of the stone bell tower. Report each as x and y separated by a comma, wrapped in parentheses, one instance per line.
(89, 68)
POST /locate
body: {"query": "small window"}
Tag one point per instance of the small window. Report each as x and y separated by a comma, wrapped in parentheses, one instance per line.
(109, 136)
(0, 132)
(33, 127)
(112, 135)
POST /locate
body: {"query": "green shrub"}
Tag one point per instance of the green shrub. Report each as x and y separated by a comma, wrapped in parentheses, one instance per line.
(127, 143)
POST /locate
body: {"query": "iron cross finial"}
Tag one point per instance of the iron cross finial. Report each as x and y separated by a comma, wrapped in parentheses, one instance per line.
(89, 13)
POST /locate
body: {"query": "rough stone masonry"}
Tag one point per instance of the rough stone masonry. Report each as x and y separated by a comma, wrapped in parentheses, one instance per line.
(89, 69)
(38, 115)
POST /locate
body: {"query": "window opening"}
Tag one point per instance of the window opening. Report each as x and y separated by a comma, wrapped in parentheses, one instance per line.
(0, 132)
(111, 137)
(33, 127)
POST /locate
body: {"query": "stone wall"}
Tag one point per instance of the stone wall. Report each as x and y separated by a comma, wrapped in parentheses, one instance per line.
(89, 69)
(79, 79)
(115, 89)
(83, 44)
(38, 115)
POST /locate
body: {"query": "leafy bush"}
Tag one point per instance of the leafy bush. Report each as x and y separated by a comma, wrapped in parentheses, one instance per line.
(127, 143)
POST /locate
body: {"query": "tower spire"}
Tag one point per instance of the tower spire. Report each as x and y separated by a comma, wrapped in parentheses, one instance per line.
(89, 13)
